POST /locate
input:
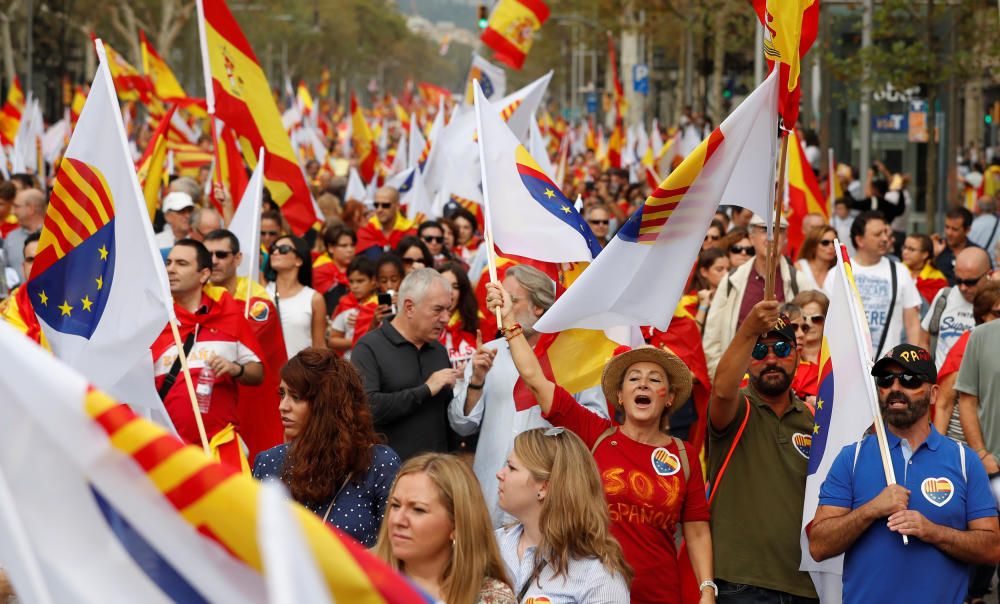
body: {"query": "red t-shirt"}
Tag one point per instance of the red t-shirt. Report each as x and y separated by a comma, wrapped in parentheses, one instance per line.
(953, 361)
(645, 501)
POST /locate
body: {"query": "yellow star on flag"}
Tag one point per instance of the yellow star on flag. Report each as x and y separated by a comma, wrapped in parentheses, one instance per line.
(819, 403)
(43, 298)
(86, 302)
(550, 193)
(100, 282)
(566, 209)
(104, 252)
(65, 308)
(815, 428)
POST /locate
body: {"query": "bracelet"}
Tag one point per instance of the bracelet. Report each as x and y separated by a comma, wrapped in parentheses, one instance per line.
(513, 332)
(982, 453)
(476, 386)
(505, 330)
(709, 583)
(243, 368)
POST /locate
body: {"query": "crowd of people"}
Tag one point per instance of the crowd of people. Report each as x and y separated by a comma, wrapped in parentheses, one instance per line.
(379, 373)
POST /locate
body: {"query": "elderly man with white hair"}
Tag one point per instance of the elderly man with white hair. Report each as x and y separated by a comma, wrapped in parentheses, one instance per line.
(986, 226)
(406, 371)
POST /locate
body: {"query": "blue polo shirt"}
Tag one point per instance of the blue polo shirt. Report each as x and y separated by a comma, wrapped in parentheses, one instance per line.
(878, 567)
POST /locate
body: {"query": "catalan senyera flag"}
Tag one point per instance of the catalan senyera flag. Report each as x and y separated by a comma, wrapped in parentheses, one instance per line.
(171, 525)
(10, 114)
(239, 94)
(791, 27)
(511, 29)
(129, 83)
(627, 284)
(803, 195)
(152, 165)
(364, 142)
(843, 409)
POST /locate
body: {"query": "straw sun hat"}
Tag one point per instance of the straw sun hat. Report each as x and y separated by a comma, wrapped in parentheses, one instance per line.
(678, 373)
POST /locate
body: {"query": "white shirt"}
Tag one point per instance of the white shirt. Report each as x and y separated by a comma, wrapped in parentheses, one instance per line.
(340, 324)
(875, 287)
(803, 266)
(165, 238)
(296, 318)
(843, 228)
(955, 320)
(499, 422)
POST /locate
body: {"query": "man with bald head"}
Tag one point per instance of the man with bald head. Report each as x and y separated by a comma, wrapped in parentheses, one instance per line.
(203, 222)
(384, 230)
(950, 313)
(29, 209)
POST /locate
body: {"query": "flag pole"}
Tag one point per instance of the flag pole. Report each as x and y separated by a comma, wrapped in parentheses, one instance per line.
(773, 258)
(831, 173)
(190, 387)
(866, 362)
(491, 261)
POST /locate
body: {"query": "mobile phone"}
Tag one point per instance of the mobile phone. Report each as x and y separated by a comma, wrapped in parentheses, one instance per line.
(385, 299)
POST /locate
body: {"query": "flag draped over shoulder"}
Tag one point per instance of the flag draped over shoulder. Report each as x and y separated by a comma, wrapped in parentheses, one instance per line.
(98, 285)
(10, 113)
(843, 410)
(639, 277)
(803, 195)
(239, 94)
(170, 524)
(791, 27)
(511, 29)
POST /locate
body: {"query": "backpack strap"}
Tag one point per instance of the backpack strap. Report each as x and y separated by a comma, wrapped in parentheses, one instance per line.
(601, 438)
(993, 233)
(171, 377)
(729, 455)
(935, 324)
(685, 464)
(888, 314)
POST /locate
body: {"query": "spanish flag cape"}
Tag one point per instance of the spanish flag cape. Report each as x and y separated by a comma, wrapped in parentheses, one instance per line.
(9, 224)
(326, 273)
(370, 235)
(929, 281)
(18, 312)
(456, 329)
(365, 320)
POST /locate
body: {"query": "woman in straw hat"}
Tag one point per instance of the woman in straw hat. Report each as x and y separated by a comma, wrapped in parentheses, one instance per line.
(651, 480)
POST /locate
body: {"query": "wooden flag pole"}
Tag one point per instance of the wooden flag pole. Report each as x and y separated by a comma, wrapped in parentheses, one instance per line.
(491, 261)
(190, 387)
(773, 253)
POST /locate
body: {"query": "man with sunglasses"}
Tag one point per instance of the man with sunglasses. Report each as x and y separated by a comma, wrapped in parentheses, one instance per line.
(758, 453)
(950, 313)
(942, 502)
(383, 231)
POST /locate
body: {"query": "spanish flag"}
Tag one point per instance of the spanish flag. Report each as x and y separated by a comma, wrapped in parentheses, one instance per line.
(240, 96)
(229, 168)
(165, 84)
(804, 195)
(511, 29)
(129, 83)
(364, 142)
(791, 30)
(10, 114)
(151, 165)
(79, 98)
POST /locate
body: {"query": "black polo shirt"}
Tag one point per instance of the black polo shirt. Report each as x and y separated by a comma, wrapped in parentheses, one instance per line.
(394, 371)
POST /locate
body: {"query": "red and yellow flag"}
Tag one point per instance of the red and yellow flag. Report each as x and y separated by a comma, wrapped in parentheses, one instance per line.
(229, 168)
(241, 97)
(163, 80)
(324, 84)
(79, 98)
(305, 99)
(151, 164)
(511, 29)
(129, 83)
(10, 114)
(791, 30)
(804, 195)
(363, 141)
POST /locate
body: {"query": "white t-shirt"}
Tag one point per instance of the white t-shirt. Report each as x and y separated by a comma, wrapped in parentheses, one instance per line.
(875, 287)
(955, 320)
(340, 324)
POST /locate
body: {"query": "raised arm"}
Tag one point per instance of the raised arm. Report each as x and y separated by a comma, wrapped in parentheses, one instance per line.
(520, 350)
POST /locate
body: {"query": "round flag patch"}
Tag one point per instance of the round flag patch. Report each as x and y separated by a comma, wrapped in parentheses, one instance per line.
(259, 311)
(937, 490)
(665, 463)
(803, 443)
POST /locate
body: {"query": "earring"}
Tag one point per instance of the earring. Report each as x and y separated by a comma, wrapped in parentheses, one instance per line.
(539, 495)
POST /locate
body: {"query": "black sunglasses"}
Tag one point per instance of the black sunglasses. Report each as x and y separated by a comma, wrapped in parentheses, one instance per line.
(803, 327)
(382, 206)
(743, 249)
(282, 249)
(781, 350)
(221, 255)
(712, 237)
(409, 261)
(970, 282)
(432, 239)
(910, 381)
(826, 242)
(269, 233)
(600, 222)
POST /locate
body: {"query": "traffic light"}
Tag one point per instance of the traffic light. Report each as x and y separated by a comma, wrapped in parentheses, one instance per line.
(993, 117)
(484, 16)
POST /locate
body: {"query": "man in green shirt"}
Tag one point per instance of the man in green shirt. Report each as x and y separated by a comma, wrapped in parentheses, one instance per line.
(764, 431)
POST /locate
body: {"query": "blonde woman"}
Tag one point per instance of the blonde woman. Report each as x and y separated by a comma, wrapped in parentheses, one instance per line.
(438, 533)
(561, 549)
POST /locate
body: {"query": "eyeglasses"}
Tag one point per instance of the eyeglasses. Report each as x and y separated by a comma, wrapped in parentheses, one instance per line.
(600, 222)
(814, 319)
(432, 239)
(282, 249)
(554, 431)
(970, 282)
(909, 381)
(382, 206)
(712, 237)
(269, 233)
(781, 350)
(743, 249)
(409, 261)
(826, 242)
(221, 255)
(803, 327)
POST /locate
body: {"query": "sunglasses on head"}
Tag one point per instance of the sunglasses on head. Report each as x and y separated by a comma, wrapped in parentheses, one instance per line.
(781, 350)
(382, 206)
(432, 239)
(742, 249)
(221, 255)
(282, 249)
(970, 282)
(909, 381)
(554, 431)
(814, 319)
(269, 233)
(826, 242)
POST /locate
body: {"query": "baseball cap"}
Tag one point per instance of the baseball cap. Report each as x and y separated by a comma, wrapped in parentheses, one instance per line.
(782, 329)
(177, 201)
(912, 358)
(757, 220)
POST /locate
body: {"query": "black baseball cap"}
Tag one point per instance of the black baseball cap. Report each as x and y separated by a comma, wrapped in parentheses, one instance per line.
(782, 329)
(911, 358)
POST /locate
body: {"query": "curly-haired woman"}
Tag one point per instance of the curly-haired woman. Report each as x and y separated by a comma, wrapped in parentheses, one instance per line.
(332, 462)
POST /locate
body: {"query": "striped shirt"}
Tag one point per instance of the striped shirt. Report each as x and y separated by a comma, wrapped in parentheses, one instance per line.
(586, 581)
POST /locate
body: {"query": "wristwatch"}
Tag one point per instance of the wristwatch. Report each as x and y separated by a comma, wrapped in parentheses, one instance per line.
(709, 583)
(242, 369)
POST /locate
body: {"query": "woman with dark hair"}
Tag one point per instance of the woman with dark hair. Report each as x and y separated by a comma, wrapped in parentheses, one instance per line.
(712, 266)
(414, 254)
(466, 240)
(301, 309)
(737, 245)
(332, 462)
(459, 337)
(432, 233)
